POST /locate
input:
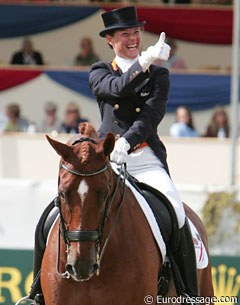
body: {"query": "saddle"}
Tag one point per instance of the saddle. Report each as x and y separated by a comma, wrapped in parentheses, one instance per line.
(163, 211)
(166, 219)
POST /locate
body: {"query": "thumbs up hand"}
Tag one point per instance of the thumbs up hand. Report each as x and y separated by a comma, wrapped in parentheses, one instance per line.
(162, 37)
(160, 50)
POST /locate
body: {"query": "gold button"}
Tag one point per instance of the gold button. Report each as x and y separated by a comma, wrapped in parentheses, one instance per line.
(138, 109)
(116, 106)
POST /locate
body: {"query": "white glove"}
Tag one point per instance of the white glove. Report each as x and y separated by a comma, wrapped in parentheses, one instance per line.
(160, 50)
(120, 151)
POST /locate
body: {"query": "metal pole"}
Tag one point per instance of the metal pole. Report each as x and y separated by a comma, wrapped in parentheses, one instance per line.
(235, 92)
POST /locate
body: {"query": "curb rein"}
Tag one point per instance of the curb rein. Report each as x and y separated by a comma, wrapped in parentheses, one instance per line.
(90, 235)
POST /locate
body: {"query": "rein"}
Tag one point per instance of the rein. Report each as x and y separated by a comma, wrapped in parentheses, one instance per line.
(91, 235)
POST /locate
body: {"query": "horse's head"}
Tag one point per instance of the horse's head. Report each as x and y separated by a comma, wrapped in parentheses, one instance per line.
(85, 183)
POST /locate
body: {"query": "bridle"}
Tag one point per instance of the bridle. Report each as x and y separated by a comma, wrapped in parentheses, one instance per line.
(90, 235)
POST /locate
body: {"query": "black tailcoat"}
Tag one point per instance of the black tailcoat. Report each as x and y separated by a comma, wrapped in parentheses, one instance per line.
(132, 104)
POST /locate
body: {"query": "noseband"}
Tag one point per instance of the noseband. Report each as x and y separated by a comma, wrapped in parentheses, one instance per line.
(90, 235)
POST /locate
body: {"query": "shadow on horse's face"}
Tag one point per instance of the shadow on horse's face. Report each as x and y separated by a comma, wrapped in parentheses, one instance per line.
(84, 188)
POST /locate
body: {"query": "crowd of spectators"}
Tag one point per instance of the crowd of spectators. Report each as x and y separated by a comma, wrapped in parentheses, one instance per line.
(218, 126)
(13, 121)
(87, 55)
(183, 127)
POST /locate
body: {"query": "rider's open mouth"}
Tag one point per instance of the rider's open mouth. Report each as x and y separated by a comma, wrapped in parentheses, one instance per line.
(132, 47)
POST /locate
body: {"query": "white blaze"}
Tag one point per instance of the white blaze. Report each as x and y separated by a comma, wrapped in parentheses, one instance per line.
(82, 190)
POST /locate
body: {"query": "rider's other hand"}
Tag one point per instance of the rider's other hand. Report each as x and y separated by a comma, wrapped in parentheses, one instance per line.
(120, 151)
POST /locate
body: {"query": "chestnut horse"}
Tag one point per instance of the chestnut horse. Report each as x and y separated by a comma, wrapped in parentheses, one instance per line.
(101, 250)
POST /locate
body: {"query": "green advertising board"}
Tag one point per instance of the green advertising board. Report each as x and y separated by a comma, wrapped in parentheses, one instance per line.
(16, 276)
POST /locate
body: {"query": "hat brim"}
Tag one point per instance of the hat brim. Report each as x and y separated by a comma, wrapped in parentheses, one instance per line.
(104, 32)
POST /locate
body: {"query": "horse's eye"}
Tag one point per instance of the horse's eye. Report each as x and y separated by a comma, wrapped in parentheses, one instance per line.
(102, 196)
(62, 195)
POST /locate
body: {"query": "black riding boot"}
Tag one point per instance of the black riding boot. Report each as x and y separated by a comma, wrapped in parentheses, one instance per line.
(186, 261)
(41, 233)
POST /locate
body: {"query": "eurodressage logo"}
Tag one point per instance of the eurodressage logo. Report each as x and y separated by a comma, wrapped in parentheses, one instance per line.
(226, 282)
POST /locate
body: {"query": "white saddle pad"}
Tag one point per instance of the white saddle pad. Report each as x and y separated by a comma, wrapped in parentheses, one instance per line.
(201, 254)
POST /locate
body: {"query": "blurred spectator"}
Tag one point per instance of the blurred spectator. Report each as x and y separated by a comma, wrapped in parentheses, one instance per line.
(50, 122)
(86, 56)
(174, 61)
(3, 121)
(183, 127)
(27, 55)
(219, 124)
(72, 119)
(15, 122)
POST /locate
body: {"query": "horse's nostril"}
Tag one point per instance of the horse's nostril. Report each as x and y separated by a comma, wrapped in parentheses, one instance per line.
(69, 268)
(96, 268)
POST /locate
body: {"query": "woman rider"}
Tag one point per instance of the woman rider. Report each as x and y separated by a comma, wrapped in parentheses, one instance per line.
(132, 95)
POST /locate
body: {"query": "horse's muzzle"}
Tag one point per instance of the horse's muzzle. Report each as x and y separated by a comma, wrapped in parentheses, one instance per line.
(82, 270)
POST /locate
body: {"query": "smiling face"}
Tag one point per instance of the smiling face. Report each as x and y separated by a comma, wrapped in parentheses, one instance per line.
(126, 43)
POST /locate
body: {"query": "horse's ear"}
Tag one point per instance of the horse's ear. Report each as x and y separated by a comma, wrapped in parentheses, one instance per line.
(62, 149)
(108, 144)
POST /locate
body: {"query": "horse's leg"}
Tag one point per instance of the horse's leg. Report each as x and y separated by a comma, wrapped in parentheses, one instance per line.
(41, 233)
(205, 280)
(49, 278)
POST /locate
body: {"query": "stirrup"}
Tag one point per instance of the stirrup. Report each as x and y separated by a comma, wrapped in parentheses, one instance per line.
(26, 298)
(38, 300)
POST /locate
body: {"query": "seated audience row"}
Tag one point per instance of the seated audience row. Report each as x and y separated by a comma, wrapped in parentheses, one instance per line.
(218, 126)
(13, 121)
(27, 55)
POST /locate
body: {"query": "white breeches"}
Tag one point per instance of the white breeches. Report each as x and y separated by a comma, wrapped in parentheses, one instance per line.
(146, 167)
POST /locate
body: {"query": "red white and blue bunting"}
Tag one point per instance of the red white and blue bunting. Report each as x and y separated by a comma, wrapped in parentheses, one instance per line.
(198, 91)
(203, 25)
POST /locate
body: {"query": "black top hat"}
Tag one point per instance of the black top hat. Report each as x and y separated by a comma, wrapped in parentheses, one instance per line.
(121, 18)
